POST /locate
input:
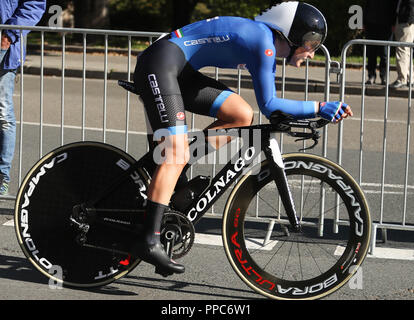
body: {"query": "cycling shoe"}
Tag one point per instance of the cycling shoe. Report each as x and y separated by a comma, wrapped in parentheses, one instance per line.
(156, 255)
(149, 247)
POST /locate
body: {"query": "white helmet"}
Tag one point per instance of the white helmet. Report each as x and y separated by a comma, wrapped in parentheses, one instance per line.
(300, 23)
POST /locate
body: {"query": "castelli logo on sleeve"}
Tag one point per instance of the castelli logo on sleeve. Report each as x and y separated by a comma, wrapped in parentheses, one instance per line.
(269, 52)
(180, 115)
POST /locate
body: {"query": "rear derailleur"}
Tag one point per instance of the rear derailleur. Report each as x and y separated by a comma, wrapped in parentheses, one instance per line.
(79, 220)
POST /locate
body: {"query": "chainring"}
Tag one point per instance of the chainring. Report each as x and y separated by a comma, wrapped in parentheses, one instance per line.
(177, 231)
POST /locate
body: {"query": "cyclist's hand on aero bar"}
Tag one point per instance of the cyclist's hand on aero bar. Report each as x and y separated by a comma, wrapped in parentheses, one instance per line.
(334, 111)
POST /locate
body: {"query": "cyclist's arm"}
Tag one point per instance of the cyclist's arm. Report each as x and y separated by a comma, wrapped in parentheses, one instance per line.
(263, 74)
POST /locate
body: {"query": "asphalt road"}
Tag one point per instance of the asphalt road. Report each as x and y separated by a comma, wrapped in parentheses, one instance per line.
(209, 276)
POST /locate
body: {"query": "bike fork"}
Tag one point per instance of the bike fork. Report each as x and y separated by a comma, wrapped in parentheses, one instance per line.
(277, 170)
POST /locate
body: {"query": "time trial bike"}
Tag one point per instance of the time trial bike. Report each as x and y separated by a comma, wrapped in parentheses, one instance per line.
(295, 226)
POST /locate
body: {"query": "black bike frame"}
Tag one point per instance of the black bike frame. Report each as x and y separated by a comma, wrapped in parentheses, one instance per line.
(244, 158)
(237, 165)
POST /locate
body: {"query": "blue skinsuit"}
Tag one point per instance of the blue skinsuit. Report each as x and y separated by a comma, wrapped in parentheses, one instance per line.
(230, 42)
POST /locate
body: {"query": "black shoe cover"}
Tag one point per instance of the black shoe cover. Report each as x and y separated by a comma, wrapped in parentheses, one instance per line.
(156, 255)
(150, 249)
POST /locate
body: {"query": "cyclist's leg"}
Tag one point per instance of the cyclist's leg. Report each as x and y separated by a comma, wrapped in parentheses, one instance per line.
(233, 112)
(160, 190)
(156, 79)
(174, 154)
(206, 96)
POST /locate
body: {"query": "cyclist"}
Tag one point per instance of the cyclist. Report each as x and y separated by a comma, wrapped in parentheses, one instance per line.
(168, 82)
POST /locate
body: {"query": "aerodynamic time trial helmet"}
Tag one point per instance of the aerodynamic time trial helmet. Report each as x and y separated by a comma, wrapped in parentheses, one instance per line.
(300, 23)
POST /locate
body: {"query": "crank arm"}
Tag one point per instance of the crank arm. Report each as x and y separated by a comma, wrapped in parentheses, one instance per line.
(170, 243)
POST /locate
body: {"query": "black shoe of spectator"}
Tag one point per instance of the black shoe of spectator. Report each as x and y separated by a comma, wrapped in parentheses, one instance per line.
(371, 80)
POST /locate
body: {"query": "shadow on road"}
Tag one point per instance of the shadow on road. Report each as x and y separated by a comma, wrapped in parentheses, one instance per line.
(198, 289)
(20, 269)
(137, 282)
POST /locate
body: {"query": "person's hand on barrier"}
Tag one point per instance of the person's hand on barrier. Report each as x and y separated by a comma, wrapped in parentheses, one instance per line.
(334, 111)
(5, 42)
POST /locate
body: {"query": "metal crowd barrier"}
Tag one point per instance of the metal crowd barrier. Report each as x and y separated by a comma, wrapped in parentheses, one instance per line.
(382, 222)
(330, 67)
(63, 32)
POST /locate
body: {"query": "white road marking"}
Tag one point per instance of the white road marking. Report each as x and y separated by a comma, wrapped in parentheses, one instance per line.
(386, 253)
(9, 223)
(216, 240)
(209, 239)
(257, 244)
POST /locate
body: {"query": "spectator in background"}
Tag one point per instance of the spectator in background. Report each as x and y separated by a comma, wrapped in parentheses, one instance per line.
(378, 24)
(404, 32)
(12, 12)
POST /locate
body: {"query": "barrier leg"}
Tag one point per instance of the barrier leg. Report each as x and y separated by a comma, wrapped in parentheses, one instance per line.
(373, 238)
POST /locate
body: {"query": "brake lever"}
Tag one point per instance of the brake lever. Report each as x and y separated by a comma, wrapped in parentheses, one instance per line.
(315, 142)
(284, 123)
(315, 137)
